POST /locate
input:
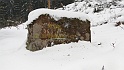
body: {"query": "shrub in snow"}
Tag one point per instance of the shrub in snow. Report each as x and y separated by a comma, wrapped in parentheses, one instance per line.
(123, 23)
(119, 23)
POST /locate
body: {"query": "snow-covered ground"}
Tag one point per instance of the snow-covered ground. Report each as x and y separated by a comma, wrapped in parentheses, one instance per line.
(105, 52)
(106, 49)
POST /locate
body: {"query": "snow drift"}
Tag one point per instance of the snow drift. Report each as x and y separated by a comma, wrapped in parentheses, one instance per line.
(56, 14)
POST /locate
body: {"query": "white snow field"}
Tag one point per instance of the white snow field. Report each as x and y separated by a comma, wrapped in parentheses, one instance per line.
(105, 52)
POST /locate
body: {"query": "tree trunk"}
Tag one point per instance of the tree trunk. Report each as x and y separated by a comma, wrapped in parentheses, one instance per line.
(48, 4)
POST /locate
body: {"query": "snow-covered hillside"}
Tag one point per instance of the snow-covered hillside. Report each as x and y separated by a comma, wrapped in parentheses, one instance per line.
(105, 52)
(100, 11)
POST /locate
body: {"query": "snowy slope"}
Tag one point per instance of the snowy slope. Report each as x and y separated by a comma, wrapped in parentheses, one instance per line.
(109, 10)
(105, 52)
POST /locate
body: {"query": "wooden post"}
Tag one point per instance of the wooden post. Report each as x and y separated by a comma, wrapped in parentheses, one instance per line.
(48, 4)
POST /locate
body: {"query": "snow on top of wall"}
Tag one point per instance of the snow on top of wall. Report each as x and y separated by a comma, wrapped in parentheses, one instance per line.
(56, 14)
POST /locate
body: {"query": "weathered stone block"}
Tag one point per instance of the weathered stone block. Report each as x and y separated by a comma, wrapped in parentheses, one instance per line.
(45, 31)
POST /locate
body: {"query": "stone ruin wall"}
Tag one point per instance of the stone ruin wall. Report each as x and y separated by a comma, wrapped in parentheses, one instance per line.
(45, 32)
